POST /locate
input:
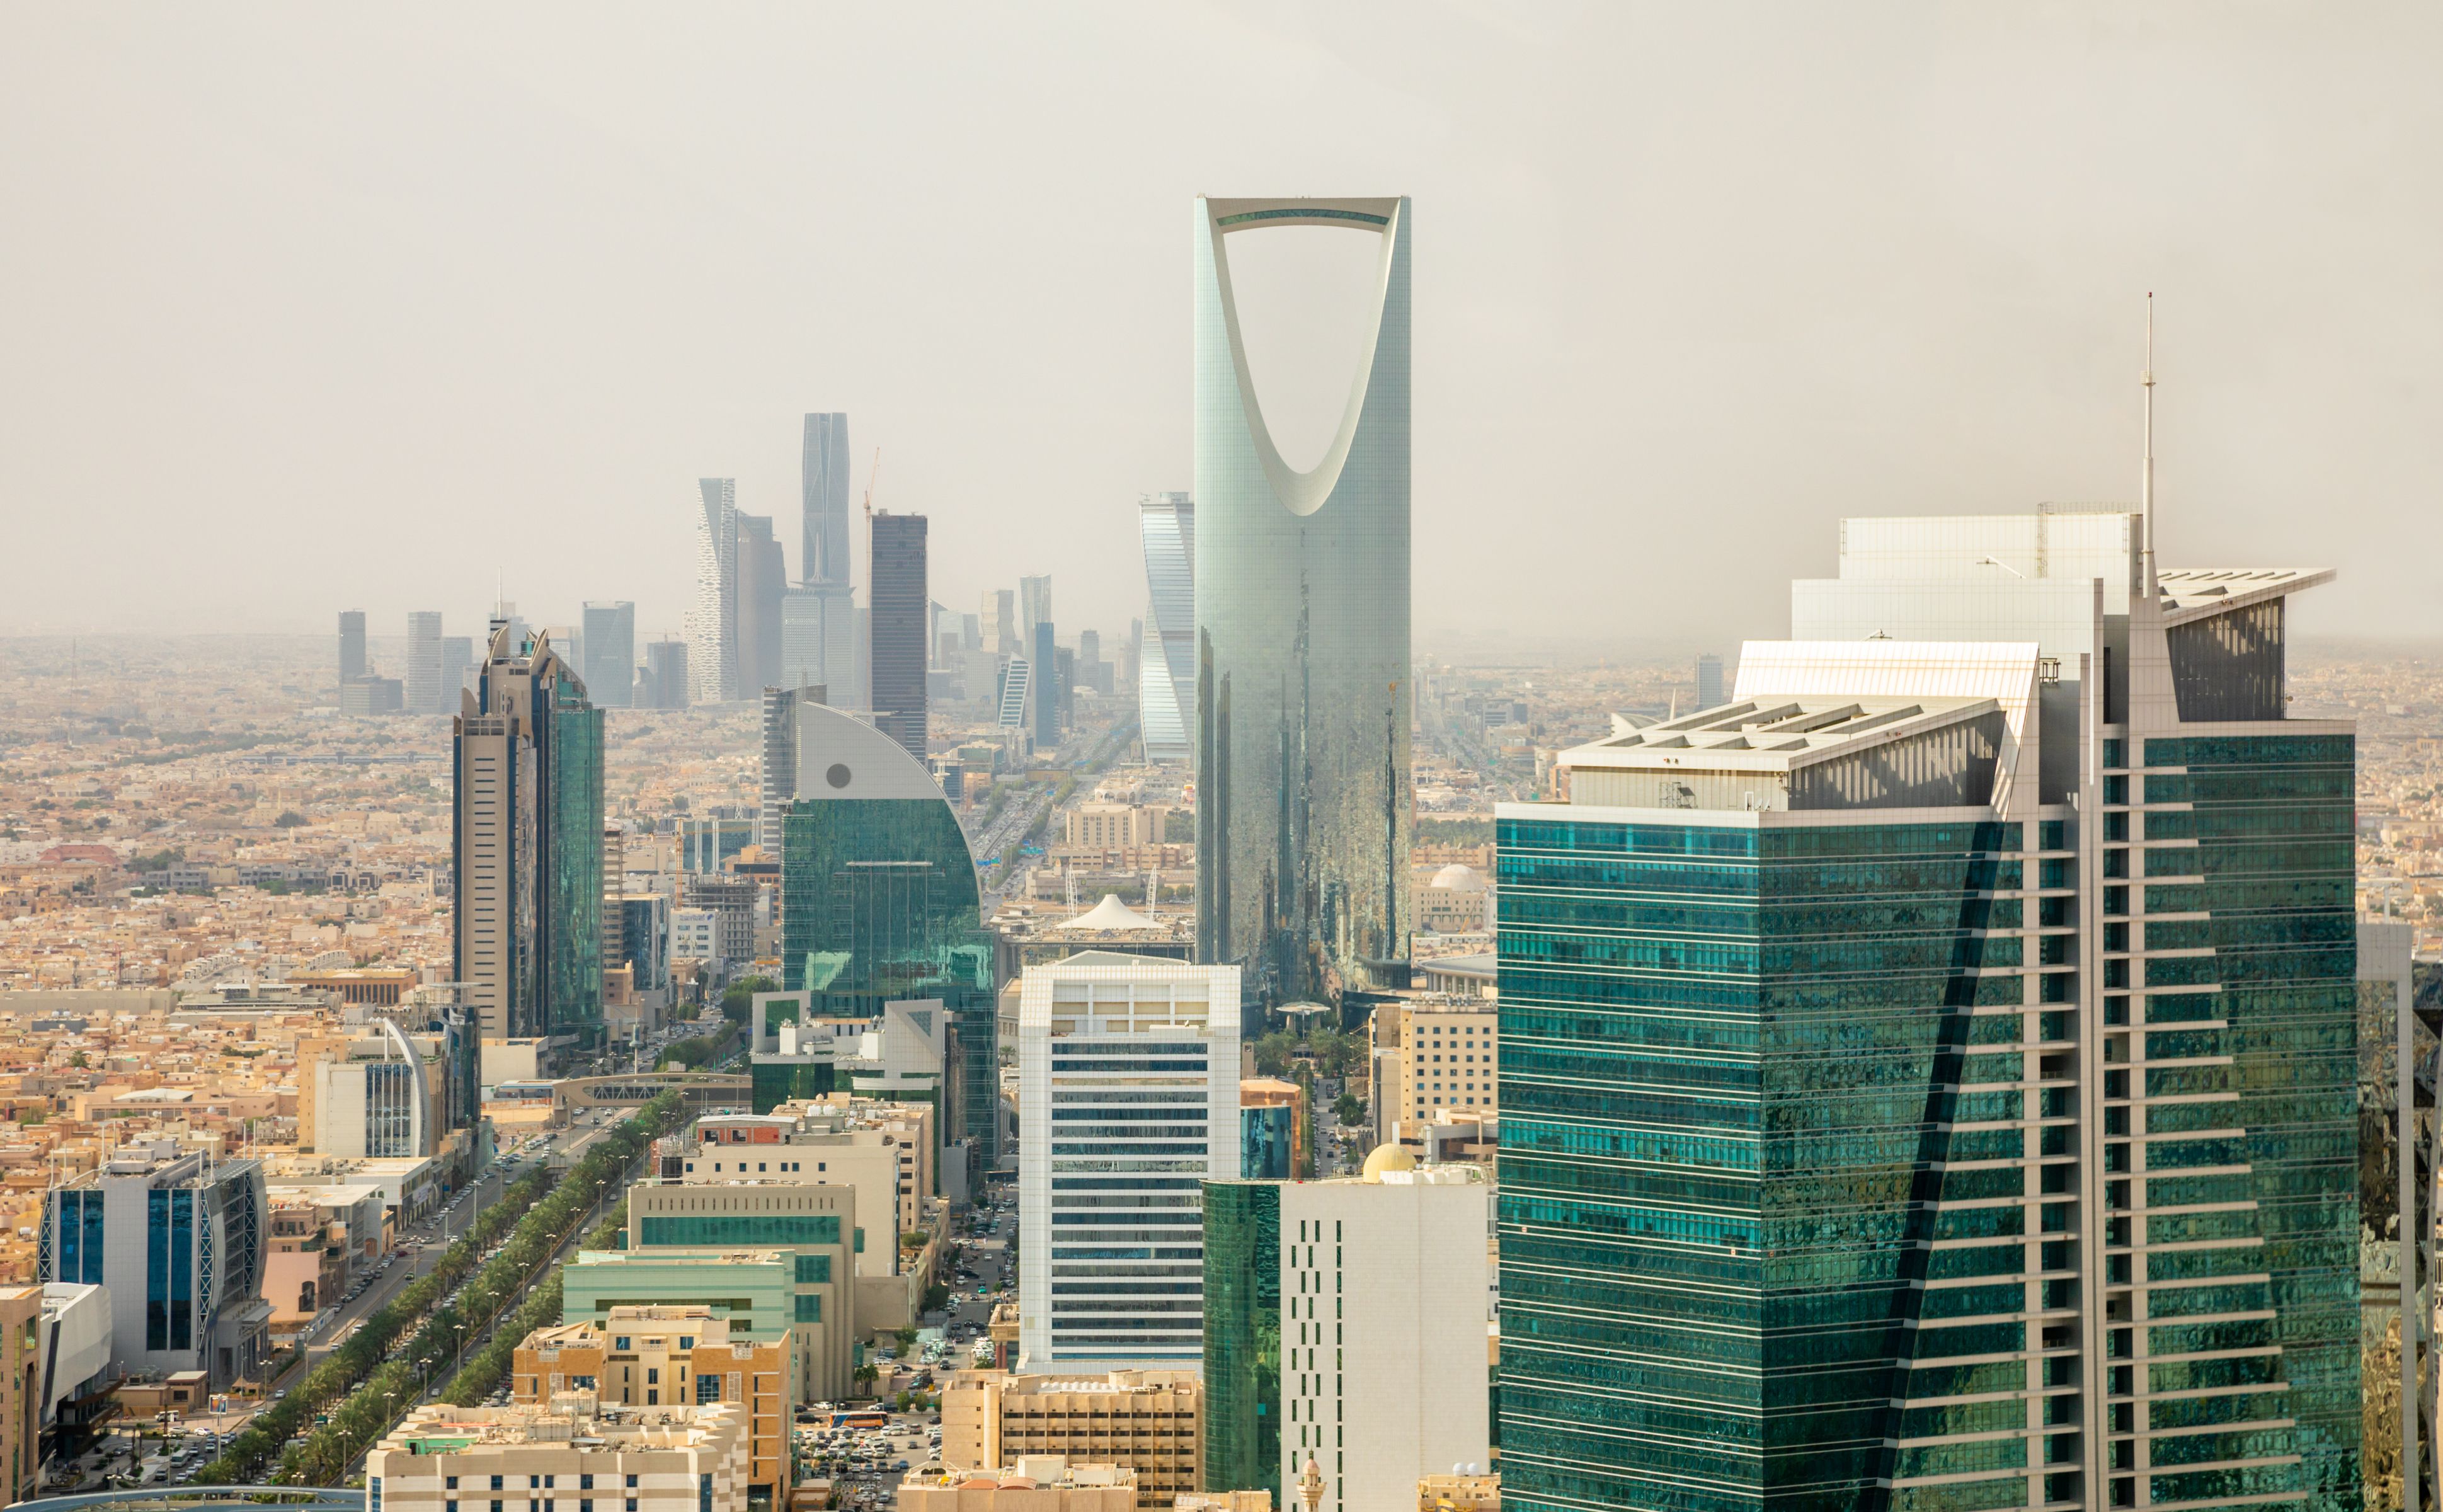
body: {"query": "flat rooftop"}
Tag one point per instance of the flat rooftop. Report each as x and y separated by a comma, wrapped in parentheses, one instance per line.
(1773, 735)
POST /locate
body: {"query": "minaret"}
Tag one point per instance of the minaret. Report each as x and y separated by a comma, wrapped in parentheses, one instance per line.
(2147, 475)
(1310, 1486)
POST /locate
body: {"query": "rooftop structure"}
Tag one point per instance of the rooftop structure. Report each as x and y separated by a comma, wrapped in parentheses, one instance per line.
(1147, 1422)
(665, 1459)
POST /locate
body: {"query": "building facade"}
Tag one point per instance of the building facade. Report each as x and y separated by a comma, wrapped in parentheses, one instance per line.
(1150, 1422)
(352, 645)
(654, 1356)
(1929, 1079)
(1128, 1071)
(1166, 648)
(576, 1450)
(879, 904)
(713, 621)
(817, 1224)
(901, 632)
(528, 846)
(425, 694)
(1430, 1054)
(178, 1241)
(1303, 702)
(825, 563)
(662, 682)
(610, 667)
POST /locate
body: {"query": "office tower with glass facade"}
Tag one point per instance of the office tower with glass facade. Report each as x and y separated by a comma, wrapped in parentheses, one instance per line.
(879, 904)
(998, 624)
(1929, 1079)
(1045, 658)
(780, 761)
(181, 1241)
(1243, 1336)
(527, 847)
(1709, 680)
(1301, 593)
(662, 681)
(1017, 688)
(825, 564)
(457, 667)
(1033, 606)
(713, 621)
(762, 583)
(424, 690)
(1128, 1103)
(352, 645)
(901, 628)
(801, 639)
(610, 665)
(1167, 648)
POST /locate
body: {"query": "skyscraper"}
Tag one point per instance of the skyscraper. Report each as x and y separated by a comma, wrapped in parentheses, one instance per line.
(779, 761)
(1047, 687)
(1928, 1078)
(527, 847)
(1301, 592)
(1709, 680)
(879, 904)
(801, 639)
(663, 683)
(610, 665)
(1034, 608)
(1166, 653)
(824, 562)
(712, 622)
(900, 654)
(998, 623)
(762, 578)
(424, 690)
(352, 645)
(1017, 688)
(457, 666)
(1127, 1072)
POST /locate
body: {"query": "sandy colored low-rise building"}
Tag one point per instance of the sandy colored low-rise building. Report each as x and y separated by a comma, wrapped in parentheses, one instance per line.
(1149, 1421)
(654, 1356)
(574, 1455)
(1037, 1482)
(1459, 1493)
(20, 1388)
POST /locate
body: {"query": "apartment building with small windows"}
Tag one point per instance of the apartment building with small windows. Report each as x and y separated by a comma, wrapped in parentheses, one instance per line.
(1432, 1053)
(576, 1454)
(1150, 1422)
(659, 1357)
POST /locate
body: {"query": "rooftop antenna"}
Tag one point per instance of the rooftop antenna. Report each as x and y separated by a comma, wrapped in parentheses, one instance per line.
(875, 471)
(2147, 478)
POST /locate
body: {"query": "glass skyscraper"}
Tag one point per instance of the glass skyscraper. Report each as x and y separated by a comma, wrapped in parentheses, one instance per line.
(610, 654)
(825, 569)
(1243, 1336)
(901, 628)
(1928, 1078)
(1167, 656)
(1301, 593)
(879, 904)
(712, 621)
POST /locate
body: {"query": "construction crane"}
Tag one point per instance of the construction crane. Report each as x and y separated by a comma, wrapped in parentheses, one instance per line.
(871, 474)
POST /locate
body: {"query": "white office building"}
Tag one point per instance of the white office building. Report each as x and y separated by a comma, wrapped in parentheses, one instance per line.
(1127, 1102)
(1386, 1299)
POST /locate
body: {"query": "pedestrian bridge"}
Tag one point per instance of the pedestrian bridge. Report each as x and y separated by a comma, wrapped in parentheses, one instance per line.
(705, 1090)
(197, 1497)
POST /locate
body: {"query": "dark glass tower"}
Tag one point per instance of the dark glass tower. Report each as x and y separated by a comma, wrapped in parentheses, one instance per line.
(1928, 1078)
(1242, 1337)
(901, 612)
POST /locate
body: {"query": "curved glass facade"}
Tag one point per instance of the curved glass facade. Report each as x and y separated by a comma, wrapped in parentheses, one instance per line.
(1166, 671)
(1302, 691)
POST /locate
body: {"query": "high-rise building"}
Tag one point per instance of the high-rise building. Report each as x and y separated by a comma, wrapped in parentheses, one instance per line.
(372, 696)
(179, 1238)
(1044, 654)
(352, 645)
(801, 640)
(1709, 680)
(374, 1101)
(1017, 688)
(824, 563)
(1927, 1078)
(610, 665)
(527, 847)
(663, 683)
(780, 761)
(998, 624)
(457, 668)
(424, 690)
(1430, 1055)
(1303, 697)
(1167, 648)
(879, 904)
(1127, 1074)
(900, 628)
(712, 621)
(1340, 1317)
(1033, 606)
(762, 583)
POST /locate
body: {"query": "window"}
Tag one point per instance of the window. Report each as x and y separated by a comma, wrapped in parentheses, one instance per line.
(534, 1483)
(652, 1375)
(496, 1482)
(373, 1494)
(620, 1342)
(450, 1481)
(687, 1341)
(707, 1388)
(549, 1481)
(704, 1493)
(585, 1482)
(653, 1397)
(631, 1483)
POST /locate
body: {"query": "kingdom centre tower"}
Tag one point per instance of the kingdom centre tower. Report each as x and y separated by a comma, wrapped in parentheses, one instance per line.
(1302, 687)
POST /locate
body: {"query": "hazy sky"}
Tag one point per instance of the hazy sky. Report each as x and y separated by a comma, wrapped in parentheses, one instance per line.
(322, 306)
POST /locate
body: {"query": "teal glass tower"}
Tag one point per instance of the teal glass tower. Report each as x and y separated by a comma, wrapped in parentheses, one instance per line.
(879, 904)
(1303, 702)
(1928, 1078)
(1242, 1337)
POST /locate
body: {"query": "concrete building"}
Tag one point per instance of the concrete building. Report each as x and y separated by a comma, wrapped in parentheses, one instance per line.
(370, 695)
(374, 1101)
(76, 1354)
(1150, 1422)
(2005, 920)
(528, 846)
(652, 1357)
(663, 682)
(1455, 899)
(425, 694)
(762, 583)
(352, 645)
(1304, 695)
(1431, 1052)
(1037, 1482)
(817, 1224)
(768, 1296)
(179, 1242)
(23, 1369)
(575, 1450)
(1272, 1130)
(1128, 1071)
(1114, 826)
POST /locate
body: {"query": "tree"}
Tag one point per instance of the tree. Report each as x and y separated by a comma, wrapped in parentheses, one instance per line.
(907, 1338)
(1351, 1110)
(738, 999)
(289, 818)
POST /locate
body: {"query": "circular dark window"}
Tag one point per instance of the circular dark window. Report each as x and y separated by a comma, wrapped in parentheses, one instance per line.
(837, 775)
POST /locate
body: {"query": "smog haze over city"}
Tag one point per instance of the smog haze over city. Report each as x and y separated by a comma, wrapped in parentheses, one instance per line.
(801, 758)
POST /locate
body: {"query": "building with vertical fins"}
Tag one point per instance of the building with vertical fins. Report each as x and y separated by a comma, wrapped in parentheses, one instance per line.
(527, 847)
(1302, 594)
(1166, 653)
(712, 619)
(824, 565)
(902, 627)
(1928, 1078)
